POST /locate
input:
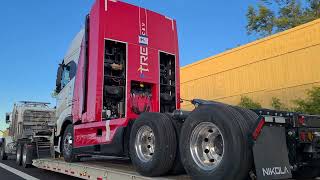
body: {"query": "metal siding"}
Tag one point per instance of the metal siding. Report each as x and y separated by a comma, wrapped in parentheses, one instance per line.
(283, 66)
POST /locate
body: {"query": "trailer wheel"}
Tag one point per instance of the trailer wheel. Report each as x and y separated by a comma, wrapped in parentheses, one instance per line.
(67, 145)
(215, 143)
(153, 144)
(19, 154)
(27, 155)
(3, 155)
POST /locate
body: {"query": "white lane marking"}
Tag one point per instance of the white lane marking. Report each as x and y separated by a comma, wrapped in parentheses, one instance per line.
(18, 173)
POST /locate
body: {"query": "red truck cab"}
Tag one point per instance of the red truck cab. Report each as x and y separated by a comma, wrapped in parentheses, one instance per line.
(128, 65)
(120, 65)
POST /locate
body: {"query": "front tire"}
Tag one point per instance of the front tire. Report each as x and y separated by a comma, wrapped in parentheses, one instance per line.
(67, 145)
(153, 144)
(19, 154)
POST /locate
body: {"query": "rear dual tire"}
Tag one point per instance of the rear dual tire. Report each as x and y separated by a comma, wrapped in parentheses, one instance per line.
(214, 143)
(19, 154)
(28, 154)
(153, 144)
(177, 167)
(25, 154)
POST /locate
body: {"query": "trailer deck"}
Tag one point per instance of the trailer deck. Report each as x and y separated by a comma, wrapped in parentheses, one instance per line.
(101, 169)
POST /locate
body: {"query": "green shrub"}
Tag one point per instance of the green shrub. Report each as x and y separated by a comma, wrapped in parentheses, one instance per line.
(278, 105)
(310, 105)
(248, 103)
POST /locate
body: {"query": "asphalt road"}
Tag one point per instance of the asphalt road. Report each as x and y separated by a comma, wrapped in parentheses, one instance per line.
(10, 171)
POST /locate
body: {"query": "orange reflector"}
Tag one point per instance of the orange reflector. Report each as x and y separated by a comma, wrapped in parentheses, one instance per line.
(310, 136)
(301, 120)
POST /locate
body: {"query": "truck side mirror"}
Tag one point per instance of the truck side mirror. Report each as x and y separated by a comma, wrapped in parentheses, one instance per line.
(7, 118)
(59, 77)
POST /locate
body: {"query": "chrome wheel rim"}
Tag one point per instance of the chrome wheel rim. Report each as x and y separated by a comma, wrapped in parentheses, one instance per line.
(145, 143)
(24, 156)
(18, 159)
(207, 146)
(67, 144)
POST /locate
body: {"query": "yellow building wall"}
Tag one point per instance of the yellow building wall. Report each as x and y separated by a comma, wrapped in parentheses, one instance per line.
(283, 65)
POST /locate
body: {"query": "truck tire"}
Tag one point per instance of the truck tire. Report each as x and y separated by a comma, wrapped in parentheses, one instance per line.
(177, 167)
(249, 115)
(19, 154)
(153, 144)
(215, 143)
(27, 155)
(3, 155)
(67, 145)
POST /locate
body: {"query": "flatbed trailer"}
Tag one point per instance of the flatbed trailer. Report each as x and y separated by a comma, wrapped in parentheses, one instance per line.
(284, 145)
(118, 94)
(98, 169)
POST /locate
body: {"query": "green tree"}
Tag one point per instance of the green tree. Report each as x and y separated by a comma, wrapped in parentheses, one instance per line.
(271, 16)
(248, 103)
(278, 105)
(310, 105)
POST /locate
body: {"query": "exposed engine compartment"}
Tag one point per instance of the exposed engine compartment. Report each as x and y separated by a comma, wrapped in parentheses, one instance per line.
(167, 82)
(114, 80)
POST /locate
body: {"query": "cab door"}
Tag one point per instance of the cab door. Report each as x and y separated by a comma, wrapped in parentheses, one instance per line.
(64, 91)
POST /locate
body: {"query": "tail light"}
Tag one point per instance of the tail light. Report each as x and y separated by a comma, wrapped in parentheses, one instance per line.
(302, 136)
(301, 120)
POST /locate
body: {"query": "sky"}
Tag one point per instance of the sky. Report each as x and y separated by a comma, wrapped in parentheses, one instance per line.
(35, 35)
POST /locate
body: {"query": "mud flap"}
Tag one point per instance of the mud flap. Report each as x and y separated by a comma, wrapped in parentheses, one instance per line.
(271, 154)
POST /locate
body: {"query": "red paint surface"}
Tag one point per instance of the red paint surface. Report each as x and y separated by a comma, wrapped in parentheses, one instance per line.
(121, 22)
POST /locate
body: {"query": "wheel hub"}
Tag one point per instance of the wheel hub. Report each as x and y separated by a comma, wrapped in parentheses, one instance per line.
(207, 145)
(24, 156)
(145, 143)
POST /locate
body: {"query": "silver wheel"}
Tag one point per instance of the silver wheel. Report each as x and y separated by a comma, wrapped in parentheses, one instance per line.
(207, 146)
(24, 155)
(145, 143)
(18, 156)
(67, 144)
